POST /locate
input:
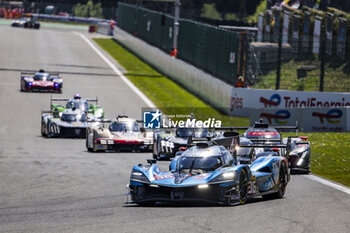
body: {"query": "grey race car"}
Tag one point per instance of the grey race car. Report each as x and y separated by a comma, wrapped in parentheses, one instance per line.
(69, 123)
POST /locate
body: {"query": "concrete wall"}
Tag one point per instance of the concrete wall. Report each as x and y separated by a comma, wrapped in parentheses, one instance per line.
(206, 86)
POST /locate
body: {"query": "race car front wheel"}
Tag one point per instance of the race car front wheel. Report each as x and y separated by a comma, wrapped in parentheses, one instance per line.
(243, 187)
(23, 85)
(43, 133)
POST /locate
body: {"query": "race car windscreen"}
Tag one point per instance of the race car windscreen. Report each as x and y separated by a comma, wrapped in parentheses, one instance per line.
(265, 133)
(68, 117)
(41, 77)
(244, 152)
(131, 126)
(207, 163)
(187, 132)
(78, 104)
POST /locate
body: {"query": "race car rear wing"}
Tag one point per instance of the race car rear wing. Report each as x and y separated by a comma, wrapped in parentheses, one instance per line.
(265, 140)
(55, 74)
(287, 146)
(67, 99)
(261, 125)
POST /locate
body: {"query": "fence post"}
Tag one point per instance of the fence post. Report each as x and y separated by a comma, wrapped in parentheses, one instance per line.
(322, 67)
(279, 58)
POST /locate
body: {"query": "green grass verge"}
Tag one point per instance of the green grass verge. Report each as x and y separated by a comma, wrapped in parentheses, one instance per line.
(337, 78)
(330, 151)
(170, 97)
(330, 155)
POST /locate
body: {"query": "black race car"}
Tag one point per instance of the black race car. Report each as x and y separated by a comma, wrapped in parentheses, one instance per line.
(26, 22)
(167, 143)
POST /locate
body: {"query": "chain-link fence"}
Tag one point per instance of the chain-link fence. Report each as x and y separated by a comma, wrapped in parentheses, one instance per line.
(210, 48)
(313, 54)
(315, 49)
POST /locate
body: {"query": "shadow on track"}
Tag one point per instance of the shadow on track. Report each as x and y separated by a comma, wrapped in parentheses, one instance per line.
(194, 204)
(60, 72)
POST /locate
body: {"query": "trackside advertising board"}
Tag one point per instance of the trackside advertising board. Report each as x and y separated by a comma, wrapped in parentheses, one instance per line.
(310, 119)
(242, 99)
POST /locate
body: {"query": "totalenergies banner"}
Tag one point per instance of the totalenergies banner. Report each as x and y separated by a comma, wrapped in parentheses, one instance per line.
(252, 98)
(315, 111)
(309, 119)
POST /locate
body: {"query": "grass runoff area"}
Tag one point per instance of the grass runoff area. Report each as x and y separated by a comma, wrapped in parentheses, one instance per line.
(329, 151)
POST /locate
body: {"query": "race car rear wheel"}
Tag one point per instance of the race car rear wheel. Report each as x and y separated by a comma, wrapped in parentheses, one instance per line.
(243, 187)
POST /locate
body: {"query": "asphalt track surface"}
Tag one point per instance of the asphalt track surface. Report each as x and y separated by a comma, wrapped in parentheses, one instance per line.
(55, 185)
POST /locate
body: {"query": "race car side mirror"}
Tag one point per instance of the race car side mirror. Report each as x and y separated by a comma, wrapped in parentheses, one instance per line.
(182, 148)
(151, 161)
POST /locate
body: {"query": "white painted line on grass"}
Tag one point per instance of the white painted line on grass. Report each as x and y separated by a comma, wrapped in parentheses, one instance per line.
(328, 183)
(117, 71)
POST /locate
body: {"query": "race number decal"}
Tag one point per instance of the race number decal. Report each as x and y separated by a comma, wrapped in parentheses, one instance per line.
(252, 187)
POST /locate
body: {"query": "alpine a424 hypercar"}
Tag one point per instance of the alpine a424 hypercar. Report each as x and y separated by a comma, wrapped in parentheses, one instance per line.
(209, 172)
(167, 143)
(123, 133)
(41, 81)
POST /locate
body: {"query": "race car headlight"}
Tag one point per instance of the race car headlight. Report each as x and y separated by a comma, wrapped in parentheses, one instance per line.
(203, 186)
(28, 79)
(57, 80)
(226, 176)
(138, 176)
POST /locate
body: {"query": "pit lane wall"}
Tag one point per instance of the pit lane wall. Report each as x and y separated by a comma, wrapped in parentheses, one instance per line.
(206, 86)
(315, 111)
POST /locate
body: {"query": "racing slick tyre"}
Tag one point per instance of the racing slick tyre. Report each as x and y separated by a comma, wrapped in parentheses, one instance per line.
(243, 187)
(43, 133)
(23, 84)
(88, 148)
(156, 155)
(281, 186)
(155, 147)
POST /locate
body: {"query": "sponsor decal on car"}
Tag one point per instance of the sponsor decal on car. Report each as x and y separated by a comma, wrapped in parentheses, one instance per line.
(162, 177)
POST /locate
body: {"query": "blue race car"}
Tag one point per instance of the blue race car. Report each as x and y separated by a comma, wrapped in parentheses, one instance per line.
(209, 172)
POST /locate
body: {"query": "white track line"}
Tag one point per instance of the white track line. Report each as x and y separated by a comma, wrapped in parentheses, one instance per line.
(117, 71)
(328, 183)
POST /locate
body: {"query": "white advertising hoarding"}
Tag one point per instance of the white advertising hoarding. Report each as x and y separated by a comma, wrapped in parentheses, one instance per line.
(309, 119)
(253, 98)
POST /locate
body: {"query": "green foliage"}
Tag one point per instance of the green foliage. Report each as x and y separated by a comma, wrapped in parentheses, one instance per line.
(209, 11)
(336, 80)
(260, 9)
(231, 16)
(88, 10)
(164, 92)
